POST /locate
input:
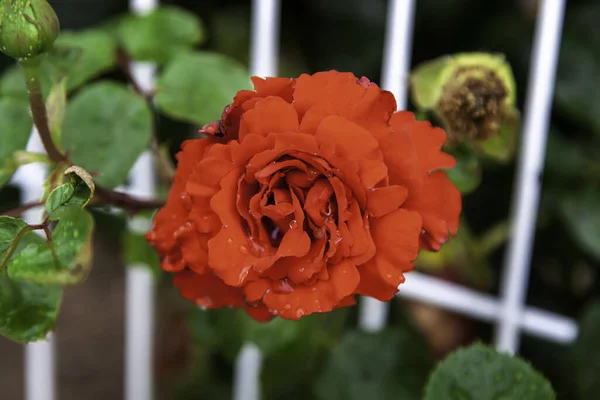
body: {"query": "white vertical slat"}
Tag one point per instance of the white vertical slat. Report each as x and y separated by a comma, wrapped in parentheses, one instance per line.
(395, 78)
(530, 167)
(40, 363)
(139, 287)
(264, 62)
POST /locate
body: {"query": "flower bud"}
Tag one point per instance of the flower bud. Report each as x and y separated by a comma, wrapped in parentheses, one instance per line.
(28, 28)
(472, 94)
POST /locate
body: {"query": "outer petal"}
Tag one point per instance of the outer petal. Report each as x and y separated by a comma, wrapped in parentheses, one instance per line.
(412, 153)
(396, 236)
(174, 214)
(271, 114)
(426, 139)
(207, 290)
(439, 203)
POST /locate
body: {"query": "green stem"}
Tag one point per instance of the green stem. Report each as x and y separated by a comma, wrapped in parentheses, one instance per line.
(38, 111)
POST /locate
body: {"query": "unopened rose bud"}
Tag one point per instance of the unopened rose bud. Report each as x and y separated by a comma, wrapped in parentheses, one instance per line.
(28, 28)
(472, 94)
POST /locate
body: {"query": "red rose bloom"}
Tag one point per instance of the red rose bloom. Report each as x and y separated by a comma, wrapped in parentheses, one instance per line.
(307, 192)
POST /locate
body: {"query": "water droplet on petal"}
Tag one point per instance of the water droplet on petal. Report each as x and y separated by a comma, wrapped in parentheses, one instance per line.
(243, 249)
(243, 275)
(283, 286)
(301, 269)
(300, 312)
(293, 224)
(287, 306)
(314, 289)
(389, 275)
(229, 240)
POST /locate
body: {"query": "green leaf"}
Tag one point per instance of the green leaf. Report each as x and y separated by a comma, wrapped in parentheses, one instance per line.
(77, 191)
(27, 311)
(580, 213)
(15, 128)
(271, 336)
(161, 34)
(106, 128)
(81, 56)
(579, 66)
(217, 330)
(466, 175)
(11, 230)
(72, 243)
(56, 105)
(291, 370)
(481, 373)
(585, 362)
(392, 364)
(196, 87)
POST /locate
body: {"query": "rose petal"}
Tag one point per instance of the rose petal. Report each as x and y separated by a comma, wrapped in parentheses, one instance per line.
(396, 236)
(426, 139)
(207, 290)
(323, 296)
(355, 143)
(440, 203)
(271, 114)
(384, 200)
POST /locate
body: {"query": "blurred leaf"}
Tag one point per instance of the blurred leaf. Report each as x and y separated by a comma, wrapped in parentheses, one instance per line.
(466, 175)
(271, 336)
(78, 190)
(218, 330)
(15, 128)
(106, 128)
(584, 354)
(72, 243)
(392, 364)
(289, 372)
(579, 66)
(27, 311)
(161, 34)
(56, 105)
(581, 215)
(196, 87)
(480, 372)
(81, 56)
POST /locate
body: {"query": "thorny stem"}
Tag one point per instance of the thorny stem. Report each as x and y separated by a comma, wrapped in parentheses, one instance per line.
(38, 111)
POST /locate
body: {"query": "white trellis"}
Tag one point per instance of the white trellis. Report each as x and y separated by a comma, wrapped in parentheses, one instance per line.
(509, 312)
